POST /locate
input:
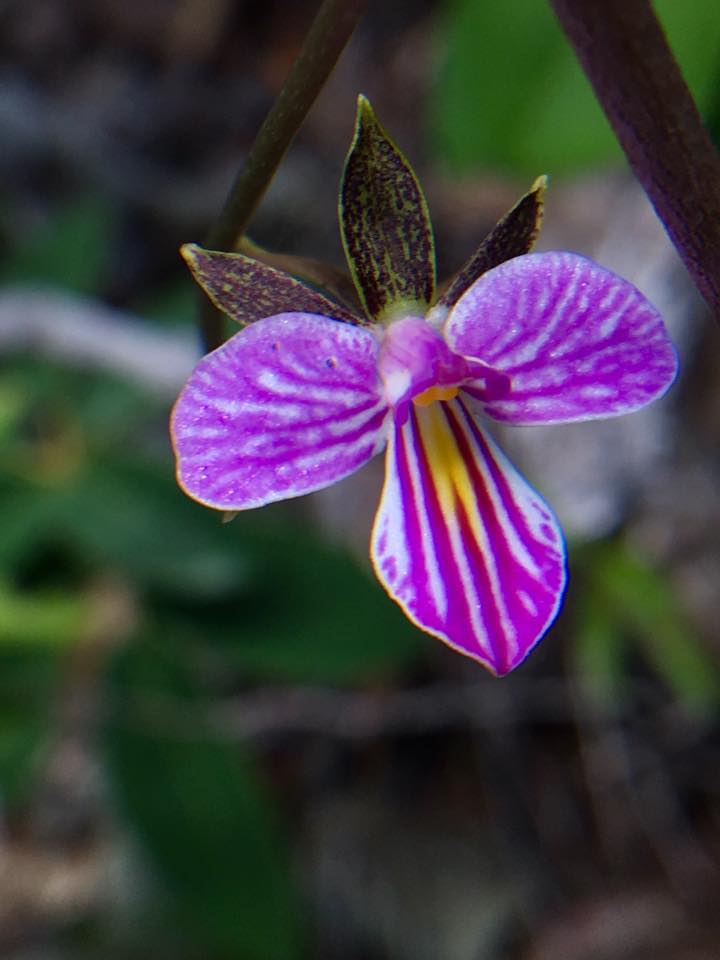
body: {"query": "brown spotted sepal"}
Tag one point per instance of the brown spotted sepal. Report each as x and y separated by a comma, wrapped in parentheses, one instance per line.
(326, 277)
(385, 225)
(247, 290)
(512, 236)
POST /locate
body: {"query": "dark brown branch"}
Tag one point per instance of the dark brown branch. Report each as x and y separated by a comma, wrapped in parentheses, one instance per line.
(638, 82)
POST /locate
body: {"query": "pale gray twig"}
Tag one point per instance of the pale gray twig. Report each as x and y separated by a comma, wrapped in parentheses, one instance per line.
(86, 333)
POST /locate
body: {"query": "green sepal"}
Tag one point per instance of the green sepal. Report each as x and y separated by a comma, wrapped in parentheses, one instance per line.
(247, 290)
(511, 237)
(385, 224)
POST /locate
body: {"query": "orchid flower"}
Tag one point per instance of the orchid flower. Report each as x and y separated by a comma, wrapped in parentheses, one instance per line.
(311, 390)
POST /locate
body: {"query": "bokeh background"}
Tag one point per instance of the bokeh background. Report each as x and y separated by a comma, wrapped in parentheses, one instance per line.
(223, 742)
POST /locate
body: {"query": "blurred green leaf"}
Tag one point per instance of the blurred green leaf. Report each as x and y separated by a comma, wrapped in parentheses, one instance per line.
(316, 616)
(269, 596)
(71, 251)
(104, 406)
(176, 305)
(642, 601)
(22, 736)
(512, 95)
(600, 650)
(135, 519)
(283, 604)
(205, 822)
(40, 618)
(28, 677)
(12, 407)
(25, 515)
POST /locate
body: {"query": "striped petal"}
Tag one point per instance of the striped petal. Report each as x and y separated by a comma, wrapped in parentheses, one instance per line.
(461, 541)
(577, 341)
(289, 405)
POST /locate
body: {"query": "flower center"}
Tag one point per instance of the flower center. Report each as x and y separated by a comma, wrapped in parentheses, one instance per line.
(415, 360)
(427, 397)
(416, 365)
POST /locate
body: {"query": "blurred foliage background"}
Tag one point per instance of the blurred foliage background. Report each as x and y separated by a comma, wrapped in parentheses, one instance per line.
(221, 740)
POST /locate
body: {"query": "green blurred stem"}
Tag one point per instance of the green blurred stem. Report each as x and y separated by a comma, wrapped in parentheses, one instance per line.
(623, 50)
(330, 31)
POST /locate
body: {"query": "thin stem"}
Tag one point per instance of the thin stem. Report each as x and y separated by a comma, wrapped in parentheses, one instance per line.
(330, 31)
(625, 54)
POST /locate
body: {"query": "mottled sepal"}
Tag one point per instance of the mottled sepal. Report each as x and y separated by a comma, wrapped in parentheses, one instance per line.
(511, 237)
(385, 224)
(247, 290)
(325, 276)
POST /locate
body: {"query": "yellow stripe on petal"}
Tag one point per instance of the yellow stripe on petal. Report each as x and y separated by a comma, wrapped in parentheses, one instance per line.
(448, 465)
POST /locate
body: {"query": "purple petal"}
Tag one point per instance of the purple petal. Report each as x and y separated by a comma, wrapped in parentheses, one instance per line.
(577, 341)
(461, 541)
(287, 406)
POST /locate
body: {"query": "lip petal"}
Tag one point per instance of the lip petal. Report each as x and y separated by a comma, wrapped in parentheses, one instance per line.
(463, 543)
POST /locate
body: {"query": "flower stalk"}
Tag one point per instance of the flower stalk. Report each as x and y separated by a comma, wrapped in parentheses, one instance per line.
(328, 35)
